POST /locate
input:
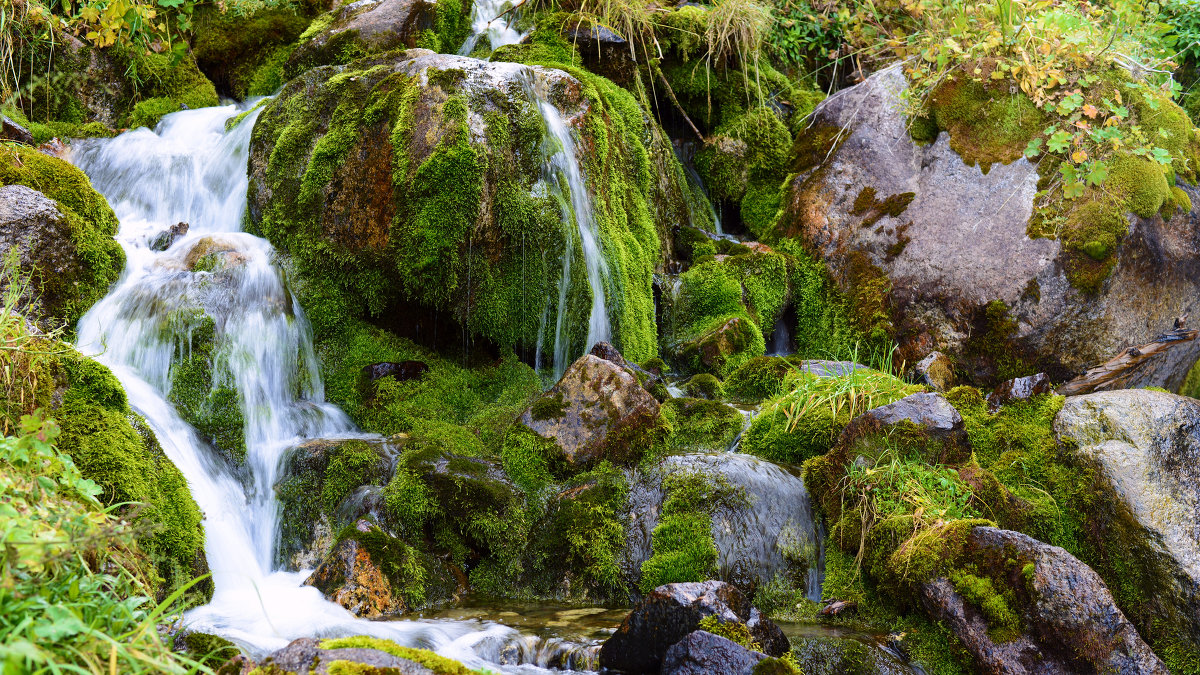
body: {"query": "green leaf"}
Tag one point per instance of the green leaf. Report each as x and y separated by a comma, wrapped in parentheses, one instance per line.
(1097, 174)
(1034, 148)
(1073, 190)
(1069, 174)
(1161, 156)
(1059, 141)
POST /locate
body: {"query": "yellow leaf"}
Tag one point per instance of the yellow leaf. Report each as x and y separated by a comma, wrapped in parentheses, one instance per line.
(1079, 155)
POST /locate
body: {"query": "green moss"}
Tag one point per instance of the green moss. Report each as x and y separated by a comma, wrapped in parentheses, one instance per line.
(866, 203)
(698, 424)
(164, 83)
(67, 291)
(202, 387)
(986, 122)
(438, 664)
(758, 379)
(732, 631)
(1003, 622)
(745, 162)
(529, 459)
(703, 386)
(683, 544)
(210, 650)
(115, 448)
(242, 54)
(993, 351)
(355, 464)
(548, 407)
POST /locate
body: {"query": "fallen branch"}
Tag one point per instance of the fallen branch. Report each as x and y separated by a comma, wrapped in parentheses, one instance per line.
(1119, 370)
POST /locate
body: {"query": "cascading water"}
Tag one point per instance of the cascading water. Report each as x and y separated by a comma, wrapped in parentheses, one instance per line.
(563, 178)
(488, 19)
(192, 170)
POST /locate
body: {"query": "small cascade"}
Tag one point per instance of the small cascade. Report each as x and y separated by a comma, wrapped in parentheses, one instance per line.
(705, 200)
(488, 19)
(781, 340)
(562, 177)
(220, 285)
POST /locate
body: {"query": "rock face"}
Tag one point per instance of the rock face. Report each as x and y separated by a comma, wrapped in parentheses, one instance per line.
(65, 278)
(596, 411)
(1018, 389)
(1146, 444)
(702, 653)
(1068, 620)
(665, 617)
(11, 131)
(765, 536)
(952, 241)
(413, 182)
(306, 657)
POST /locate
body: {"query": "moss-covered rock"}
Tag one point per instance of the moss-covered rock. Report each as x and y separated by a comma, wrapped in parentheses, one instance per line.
(62, 231)
(597, 411)
(926, 244)
(202, 386)
(699, 424)
(419, 187)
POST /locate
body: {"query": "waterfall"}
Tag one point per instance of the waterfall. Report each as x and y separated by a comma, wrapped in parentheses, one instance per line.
(563, 179)
(191, 170)
(486, 20)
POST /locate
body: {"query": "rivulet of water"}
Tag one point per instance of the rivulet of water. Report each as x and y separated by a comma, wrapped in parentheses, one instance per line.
(190, 169)
(493, 19)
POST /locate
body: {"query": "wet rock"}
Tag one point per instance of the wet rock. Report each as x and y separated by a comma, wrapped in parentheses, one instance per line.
(66, 274)
(830, 368)
(306, 657)
(603, 51)
(702, 653)
(767, 634)
(1145, 446)
(350, 577)
(213, 254)
(936, 371)
(751, 536)
(596, 411)
(952, 242)
(1068, 622)
(163, 240)
(11, 131)
(925, 420)
(361, 28)
(1018, 389)
(670, 613)
(717, 347)
(314, 508)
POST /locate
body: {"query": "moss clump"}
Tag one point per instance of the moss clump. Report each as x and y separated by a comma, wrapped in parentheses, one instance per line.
(986, 122)
(703, 386)
(356, 464)
(1003, 622)
(115, 448)
(683, 544)
(806, 420)
(202, 386)
(867, 204)
(165, 83)
(67, 291)
(548, 408)
(438, 664)
(758, 379)
(745, 162)
(699, 424)
(734, 632)
(210, 650)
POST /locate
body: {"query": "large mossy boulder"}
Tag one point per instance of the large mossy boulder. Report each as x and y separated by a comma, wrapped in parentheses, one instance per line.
(62, 233)
(415, 180)
(943, 233)
(1142, 534)
(597, 411)
(1019, 605)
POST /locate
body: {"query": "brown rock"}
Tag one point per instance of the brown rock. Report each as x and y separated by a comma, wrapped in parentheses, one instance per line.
(937, 371)
(598, 410)
(352, 579)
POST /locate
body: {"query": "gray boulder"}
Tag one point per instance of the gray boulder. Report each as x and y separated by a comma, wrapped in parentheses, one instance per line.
(1145, 446)
(306, 657)
(952, 240)
(925, 421)
(1065, 619)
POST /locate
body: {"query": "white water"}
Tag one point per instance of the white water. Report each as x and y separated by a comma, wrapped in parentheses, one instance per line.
(488, 18)
(563, 178)
(190, 170)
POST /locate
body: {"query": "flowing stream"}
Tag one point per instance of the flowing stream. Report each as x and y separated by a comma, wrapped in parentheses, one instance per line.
(488, 19)
(191, 170)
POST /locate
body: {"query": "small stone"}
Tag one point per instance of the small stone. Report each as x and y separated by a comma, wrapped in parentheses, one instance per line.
(1018, 389)
(11, 131)
(163, 240)
(937, 371)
